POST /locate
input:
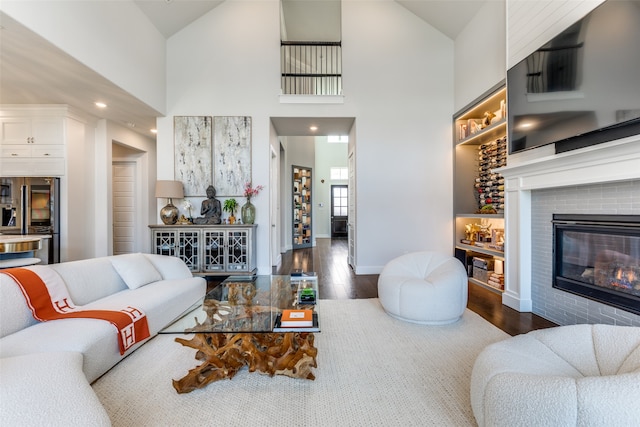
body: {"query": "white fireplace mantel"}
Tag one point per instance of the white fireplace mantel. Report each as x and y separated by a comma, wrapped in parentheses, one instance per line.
(608, 162)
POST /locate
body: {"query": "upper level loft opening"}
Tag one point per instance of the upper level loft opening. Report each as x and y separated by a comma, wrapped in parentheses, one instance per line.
(311, 47)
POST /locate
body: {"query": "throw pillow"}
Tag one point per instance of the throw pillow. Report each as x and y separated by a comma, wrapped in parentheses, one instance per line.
(135, 269)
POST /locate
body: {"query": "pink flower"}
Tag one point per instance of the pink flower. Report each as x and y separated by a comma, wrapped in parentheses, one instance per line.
(249, 192)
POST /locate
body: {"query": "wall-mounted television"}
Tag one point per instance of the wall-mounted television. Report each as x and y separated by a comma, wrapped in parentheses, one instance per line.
(582, 87)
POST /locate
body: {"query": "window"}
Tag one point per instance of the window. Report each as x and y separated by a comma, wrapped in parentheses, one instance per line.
(342, 139)
(339, 173)
(339, 202)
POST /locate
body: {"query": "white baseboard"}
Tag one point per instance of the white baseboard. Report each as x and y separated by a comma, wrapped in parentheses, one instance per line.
(368, 269)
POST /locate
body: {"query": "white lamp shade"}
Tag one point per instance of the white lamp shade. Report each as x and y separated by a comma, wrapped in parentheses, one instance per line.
(169, 189)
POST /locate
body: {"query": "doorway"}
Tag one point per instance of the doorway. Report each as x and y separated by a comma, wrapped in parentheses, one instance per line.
(339, 211)
(321, 144)
(124, 207)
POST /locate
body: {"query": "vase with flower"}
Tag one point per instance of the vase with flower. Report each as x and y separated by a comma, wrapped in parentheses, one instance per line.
(248, 210)
(187, 205)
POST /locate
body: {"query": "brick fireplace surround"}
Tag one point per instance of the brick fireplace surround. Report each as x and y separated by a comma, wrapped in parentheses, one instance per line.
(601, 179)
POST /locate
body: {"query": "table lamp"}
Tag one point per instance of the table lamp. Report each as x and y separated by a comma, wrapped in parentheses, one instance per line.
(169, 189)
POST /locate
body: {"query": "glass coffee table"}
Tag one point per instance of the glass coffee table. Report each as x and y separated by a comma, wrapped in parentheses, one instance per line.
(233, 326)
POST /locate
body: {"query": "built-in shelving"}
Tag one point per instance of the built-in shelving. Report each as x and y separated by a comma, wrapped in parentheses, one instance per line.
(478, 130)
(302, 212)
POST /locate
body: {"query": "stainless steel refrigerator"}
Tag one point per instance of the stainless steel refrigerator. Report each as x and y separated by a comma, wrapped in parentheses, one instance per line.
(30, 205)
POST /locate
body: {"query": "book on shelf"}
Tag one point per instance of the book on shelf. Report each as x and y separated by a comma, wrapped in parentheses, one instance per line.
(314, 327)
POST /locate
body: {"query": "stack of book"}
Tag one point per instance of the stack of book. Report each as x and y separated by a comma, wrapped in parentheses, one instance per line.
(496, 280)
(291, 320)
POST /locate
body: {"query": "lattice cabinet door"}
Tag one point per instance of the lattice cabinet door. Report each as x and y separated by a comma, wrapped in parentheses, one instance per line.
(237, 250)
(164, 242)
(214, 253)
(189, 248)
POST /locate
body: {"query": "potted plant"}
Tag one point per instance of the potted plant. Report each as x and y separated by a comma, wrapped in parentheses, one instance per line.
(230, 205)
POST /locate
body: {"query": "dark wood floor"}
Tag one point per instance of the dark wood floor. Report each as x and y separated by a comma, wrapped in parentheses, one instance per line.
(336, 280)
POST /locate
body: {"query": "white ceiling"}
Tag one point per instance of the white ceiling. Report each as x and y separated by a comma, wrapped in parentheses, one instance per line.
(54, 77)
(448, 16)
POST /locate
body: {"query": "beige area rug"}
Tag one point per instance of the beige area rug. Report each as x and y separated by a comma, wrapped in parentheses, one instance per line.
(373, 370)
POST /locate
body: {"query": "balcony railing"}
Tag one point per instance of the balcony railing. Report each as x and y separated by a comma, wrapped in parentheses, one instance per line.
(311, 68)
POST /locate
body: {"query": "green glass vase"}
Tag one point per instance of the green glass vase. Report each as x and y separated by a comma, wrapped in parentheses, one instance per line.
(248, 212)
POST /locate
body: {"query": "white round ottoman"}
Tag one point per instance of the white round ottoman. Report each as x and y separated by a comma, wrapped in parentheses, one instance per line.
(581, 375)
(424, 287)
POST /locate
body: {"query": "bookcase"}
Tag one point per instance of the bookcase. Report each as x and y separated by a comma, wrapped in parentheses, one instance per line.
(302, 212)
(480, 147)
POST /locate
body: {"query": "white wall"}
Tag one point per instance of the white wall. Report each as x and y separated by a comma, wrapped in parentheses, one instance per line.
(398, 81)
(77, 219)
(398, 76)
(113, 38)
(480, 53)
(328, 155)
(100, 163)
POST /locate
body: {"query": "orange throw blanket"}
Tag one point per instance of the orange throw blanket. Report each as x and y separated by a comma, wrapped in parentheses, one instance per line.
(51, 301)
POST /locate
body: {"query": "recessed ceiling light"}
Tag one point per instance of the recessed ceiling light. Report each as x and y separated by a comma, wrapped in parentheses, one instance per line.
(101, 105)
(313, 128)
(154, 130)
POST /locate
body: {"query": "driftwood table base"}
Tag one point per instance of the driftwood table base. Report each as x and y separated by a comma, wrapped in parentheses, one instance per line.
(223, 354)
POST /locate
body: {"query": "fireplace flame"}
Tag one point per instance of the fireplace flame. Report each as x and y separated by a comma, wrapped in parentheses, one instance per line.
(624, 278)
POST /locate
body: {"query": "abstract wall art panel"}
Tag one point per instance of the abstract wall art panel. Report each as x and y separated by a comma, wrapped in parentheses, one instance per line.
(231, 154)
(193, 153)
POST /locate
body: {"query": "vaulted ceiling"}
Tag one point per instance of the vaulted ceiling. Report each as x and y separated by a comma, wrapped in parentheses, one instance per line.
(56, 78)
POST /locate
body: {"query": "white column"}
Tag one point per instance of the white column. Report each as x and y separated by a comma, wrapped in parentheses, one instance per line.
(517, 287)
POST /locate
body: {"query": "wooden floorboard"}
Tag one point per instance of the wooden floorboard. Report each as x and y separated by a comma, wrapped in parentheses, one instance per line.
(336, 280)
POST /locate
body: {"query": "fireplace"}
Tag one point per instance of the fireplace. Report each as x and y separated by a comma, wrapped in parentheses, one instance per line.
(598, 257)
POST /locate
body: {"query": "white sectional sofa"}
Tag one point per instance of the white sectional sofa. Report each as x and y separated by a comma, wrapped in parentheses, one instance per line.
(47, 367)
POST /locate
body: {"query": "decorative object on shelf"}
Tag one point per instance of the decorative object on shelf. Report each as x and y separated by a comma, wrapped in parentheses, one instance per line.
(488, 117)
(470, 233)
(169, 190)
(479, 234)
(210, 209)
(230, 205)
(497, 239)
(183, 220)
(248, 211)
(187, 205)
(231, 154)
(192, 150)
